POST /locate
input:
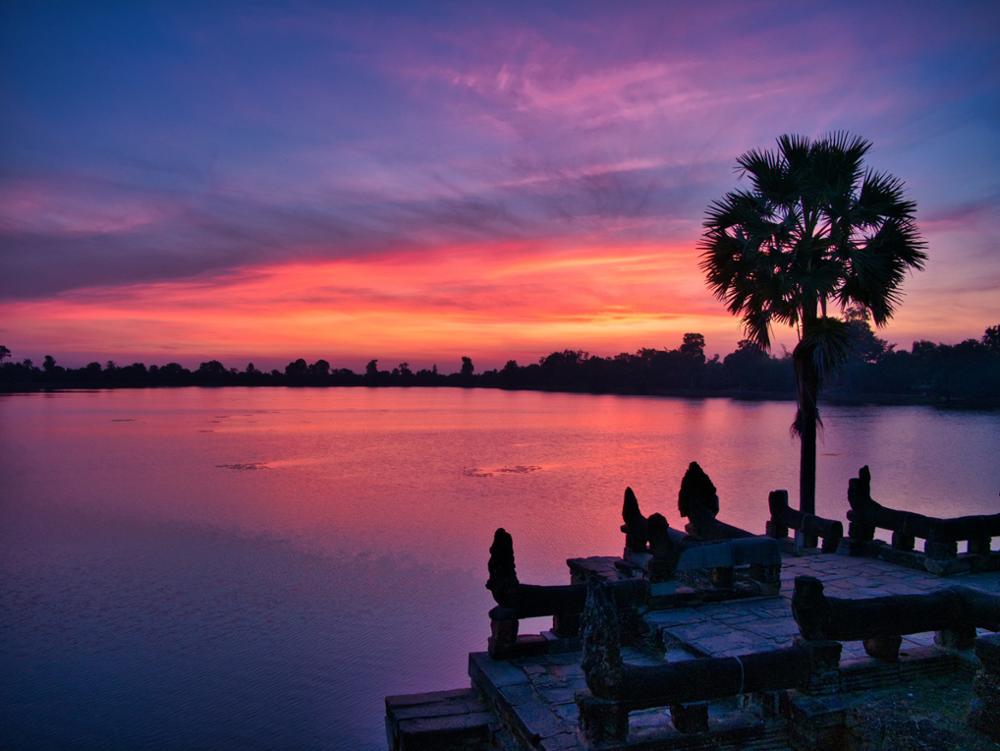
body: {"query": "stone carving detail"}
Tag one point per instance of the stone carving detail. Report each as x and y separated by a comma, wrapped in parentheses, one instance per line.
(601, 637)
(503, 581)
(698, 501)
(635, 529)
(665, 551)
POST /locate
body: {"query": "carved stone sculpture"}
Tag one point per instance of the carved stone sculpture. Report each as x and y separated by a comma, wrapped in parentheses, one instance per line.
(698, 501)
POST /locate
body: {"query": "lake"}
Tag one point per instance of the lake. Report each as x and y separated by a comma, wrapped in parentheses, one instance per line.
(257, 568)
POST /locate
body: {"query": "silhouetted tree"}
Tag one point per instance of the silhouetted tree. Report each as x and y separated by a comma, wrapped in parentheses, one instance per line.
(816, 227)
(320, 371)
(4, 353)
(693, 346)
(211, 373)
(991, 339)
(467, 370)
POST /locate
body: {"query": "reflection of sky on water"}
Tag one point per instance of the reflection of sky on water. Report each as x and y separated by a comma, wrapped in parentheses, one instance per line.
(159, 592)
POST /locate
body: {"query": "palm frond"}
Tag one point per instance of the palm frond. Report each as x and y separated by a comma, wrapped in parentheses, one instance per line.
(878, 267)
(881, 198)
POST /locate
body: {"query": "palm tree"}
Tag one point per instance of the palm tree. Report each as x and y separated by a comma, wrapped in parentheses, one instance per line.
(816, 228)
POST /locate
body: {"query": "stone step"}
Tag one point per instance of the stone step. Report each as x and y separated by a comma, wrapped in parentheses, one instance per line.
(455, 720)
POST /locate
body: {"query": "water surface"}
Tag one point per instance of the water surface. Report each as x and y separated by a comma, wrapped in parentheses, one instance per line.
(256, 568)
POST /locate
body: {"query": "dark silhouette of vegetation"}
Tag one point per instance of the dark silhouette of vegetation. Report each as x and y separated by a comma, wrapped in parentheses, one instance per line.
(815, 229)
(964, 374)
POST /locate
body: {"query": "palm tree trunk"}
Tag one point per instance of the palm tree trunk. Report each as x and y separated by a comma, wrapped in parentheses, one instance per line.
(807, 465)
(807, 393)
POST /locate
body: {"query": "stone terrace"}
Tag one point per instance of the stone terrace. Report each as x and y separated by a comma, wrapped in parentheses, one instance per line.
(528, 702)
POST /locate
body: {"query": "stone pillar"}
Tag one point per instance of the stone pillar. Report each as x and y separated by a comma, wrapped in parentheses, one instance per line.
(805, 540)
(984, 715)
(824, 666)
(769, 577)
(958, 637)
(721, 577)
(883, 647)
(941, 551)
(777, 502)
(979, 545)
(902, 541)
(503, 631)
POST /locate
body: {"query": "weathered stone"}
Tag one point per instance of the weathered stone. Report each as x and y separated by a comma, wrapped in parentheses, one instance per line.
(601, 720)
(601, 641)
(689, 718)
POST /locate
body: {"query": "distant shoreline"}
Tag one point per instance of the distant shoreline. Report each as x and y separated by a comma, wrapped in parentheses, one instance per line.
(880, 400)
(960, 376)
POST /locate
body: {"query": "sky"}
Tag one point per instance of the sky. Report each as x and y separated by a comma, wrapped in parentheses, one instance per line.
(420, 181)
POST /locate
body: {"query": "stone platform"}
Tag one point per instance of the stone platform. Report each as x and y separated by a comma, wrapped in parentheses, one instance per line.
(529, 702)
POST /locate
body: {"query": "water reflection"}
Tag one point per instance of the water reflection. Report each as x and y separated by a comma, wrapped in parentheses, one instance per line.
(256, 568)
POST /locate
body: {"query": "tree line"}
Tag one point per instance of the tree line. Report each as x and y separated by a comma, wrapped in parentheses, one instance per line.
(965, 373)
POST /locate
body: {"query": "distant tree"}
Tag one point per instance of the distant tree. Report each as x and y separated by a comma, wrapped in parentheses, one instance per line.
(296, 372)
(371, 372)
(747, 366)
(467, 369)
(4, 353)
(815, 228)
(991, 339)
(49, 363)
(693, 346)
(320, 369)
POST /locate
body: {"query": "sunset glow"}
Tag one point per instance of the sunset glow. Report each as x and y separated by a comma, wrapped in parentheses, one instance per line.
(419, 185)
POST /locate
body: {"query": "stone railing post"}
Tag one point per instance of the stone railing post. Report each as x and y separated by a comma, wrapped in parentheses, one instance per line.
(503, 631)
(777, 502)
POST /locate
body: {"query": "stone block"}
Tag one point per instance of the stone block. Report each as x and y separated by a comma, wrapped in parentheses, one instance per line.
(601, 720)
(689, 718)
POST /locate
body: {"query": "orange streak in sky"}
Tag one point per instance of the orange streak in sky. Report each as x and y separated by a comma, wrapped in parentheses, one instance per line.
(492, 303)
